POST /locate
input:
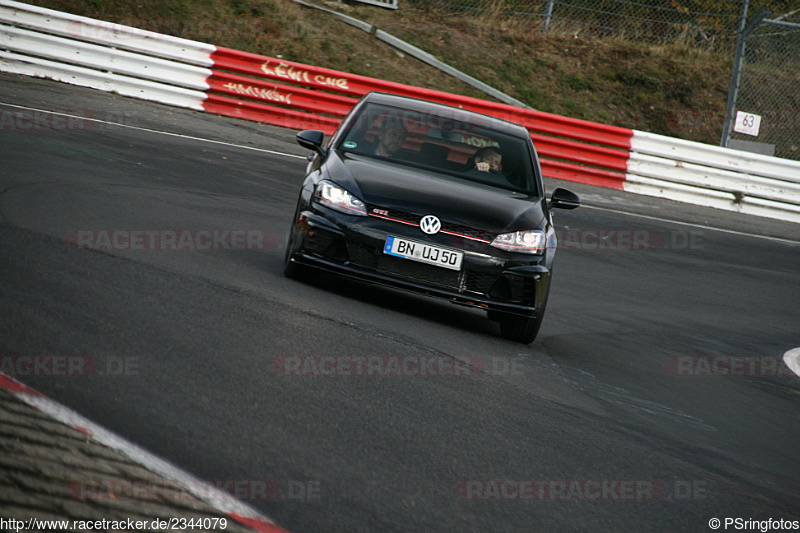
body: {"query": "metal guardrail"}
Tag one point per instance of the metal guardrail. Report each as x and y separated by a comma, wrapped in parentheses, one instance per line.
(77, 28)
(104, 81)
(104, 58)
(713, 176)
(40, 42)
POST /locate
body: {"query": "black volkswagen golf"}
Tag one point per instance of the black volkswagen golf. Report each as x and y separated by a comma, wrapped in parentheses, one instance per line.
(433, 199)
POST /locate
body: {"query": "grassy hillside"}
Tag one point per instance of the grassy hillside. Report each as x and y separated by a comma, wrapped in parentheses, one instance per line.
(674, 89)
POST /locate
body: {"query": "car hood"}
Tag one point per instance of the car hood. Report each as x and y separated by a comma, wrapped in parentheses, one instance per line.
(403, 188)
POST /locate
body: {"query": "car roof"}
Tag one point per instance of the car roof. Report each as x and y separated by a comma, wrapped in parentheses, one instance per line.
(426, 106)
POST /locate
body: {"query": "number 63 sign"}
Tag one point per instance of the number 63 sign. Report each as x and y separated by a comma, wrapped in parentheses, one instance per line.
(747, 123)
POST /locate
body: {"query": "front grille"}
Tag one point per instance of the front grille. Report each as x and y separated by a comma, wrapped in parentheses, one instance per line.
(468, 232)
(327, 245)
(515, 289)
(397, 215)
(479, 282)
(363, 256)
(419, 272)
(522, 289)
(411, 218)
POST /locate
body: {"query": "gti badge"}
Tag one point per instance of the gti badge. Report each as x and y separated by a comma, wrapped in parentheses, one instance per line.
(430, 224)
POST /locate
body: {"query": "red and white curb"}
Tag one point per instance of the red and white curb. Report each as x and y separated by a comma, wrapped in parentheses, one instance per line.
(218, 499)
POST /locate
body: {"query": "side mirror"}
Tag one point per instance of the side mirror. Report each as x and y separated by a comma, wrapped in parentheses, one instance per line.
(311, 139)
(563, 199)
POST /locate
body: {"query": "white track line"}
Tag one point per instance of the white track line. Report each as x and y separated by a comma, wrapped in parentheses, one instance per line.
(67, 115)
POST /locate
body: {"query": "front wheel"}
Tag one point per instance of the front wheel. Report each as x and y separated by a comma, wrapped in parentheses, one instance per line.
(298, 272)
(521, 328)
(293, 270)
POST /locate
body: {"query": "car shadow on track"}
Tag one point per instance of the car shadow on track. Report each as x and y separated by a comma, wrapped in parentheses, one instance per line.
(430, 309)
(419, 306)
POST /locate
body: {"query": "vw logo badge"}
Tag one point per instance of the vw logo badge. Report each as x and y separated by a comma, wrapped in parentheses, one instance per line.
(430, 224)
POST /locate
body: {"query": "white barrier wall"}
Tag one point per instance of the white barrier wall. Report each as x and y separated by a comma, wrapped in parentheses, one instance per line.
(713, 176)
(40, 42)
(109, 34)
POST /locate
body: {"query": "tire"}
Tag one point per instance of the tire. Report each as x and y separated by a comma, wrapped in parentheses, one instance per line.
(520, 328)
(299, 272)
(293, 270)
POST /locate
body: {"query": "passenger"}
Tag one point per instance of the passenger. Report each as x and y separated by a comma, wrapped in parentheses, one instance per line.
(487, 159)
(486, 165)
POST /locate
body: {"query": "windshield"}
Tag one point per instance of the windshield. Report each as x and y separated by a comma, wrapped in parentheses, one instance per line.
(467, 150)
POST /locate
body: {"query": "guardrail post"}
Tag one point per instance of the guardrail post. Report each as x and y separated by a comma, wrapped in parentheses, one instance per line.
(744, 32)
(548, 14)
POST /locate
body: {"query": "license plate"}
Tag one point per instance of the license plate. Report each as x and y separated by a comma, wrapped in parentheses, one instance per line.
(424, 253)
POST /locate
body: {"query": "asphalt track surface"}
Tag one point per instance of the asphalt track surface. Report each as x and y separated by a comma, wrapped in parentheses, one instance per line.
(610, 396)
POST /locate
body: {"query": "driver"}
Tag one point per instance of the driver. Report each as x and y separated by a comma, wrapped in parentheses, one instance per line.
(390, 142)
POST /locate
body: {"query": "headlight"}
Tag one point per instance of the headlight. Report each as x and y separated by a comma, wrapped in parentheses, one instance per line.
(339, 199)
(525, 242)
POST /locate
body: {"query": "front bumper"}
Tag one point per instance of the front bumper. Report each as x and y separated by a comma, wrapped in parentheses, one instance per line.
(489, 278)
